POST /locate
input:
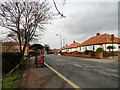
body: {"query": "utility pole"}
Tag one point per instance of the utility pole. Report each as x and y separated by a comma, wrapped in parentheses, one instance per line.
(63, 42)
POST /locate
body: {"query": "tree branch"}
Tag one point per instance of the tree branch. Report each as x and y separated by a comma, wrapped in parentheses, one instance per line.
(59, 13)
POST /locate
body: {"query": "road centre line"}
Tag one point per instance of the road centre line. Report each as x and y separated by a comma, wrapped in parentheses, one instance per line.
(106, 73)
(63, 77)
(113, 70)
(86, 69)
(77, 65)
(115, 75)
(100, 71)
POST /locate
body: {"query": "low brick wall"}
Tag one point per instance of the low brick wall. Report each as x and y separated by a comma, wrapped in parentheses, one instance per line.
(118, 57)
(78, 55)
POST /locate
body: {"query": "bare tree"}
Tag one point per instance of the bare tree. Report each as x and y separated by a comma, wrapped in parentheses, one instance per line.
(59, 13)
(24, 18)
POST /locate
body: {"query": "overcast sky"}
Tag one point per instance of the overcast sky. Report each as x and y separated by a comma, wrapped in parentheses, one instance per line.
(83, 20)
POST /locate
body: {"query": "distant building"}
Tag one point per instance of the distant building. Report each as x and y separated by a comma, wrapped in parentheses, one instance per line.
(12, 47)
(73, 47)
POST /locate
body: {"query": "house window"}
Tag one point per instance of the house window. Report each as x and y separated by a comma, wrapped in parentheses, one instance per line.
(80, 48)
(119, 46)
(67, 50)
(5, 47)
(93, 47)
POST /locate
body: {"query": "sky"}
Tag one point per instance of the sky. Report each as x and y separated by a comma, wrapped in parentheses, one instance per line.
(84, 18)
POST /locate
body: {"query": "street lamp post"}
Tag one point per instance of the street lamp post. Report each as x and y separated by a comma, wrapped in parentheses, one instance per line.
(63, 42)
(60, 39)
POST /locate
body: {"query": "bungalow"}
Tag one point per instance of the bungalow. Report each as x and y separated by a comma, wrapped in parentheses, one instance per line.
(65, 49)
(100, 40)
(73, 47)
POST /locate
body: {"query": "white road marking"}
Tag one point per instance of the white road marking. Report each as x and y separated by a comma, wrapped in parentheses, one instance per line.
(87, 66)
(115, 75)
(80, 66)
(113, 70)
(87, 69)
(77, 65)
(84, 64)
(106, 73)
(63, 77)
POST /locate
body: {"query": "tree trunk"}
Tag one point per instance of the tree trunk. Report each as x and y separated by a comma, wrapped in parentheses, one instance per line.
(22, 57)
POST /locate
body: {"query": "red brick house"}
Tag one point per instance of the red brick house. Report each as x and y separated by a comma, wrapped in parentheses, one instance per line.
(12, 47)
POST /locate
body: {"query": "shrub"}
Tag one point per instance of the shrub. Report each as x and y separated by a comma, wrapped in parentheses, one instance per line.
(99, 50)
(110, 47)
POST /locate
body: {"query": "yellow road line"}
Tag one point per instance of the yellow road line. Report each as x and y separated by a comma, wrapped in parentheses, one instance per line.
(63, 77)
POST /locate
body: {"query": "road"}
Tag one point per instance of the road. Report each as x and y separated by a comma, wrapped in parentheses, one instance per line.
(86, 73)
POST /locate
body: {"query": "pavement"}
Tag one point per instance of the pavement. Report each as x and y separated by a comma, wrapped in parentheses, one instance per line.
(41, 78)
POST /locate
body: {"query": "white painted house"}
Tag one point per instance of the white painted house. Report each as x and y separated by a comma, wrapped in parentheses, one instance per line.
(73, 47)
(100, 40)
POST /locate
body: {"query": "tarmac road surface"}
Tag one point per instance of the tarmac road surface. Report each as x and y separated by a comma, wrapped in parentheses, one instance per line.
(86, 73)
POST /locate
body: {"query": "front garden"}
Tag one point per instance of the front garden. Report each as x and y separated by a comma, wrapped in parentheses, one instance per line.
(99, 54)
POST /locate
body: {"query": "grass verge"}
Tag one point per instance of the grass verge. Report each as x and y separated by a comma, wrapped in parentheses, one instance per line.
(12, 80)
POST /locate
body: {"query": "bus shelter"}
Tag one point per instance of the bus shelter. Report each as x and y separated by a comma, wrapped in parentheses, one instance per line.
(38, 52)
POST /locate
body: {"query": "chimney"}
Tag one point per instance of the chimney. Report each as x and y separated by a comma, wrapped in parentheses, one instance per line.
(112, 37)
(73, 41)
(97, 34)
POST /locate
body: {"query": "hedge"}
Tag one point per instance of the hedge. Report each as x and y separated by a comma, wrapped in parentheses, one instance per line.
(10, 60)
(92, 53)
